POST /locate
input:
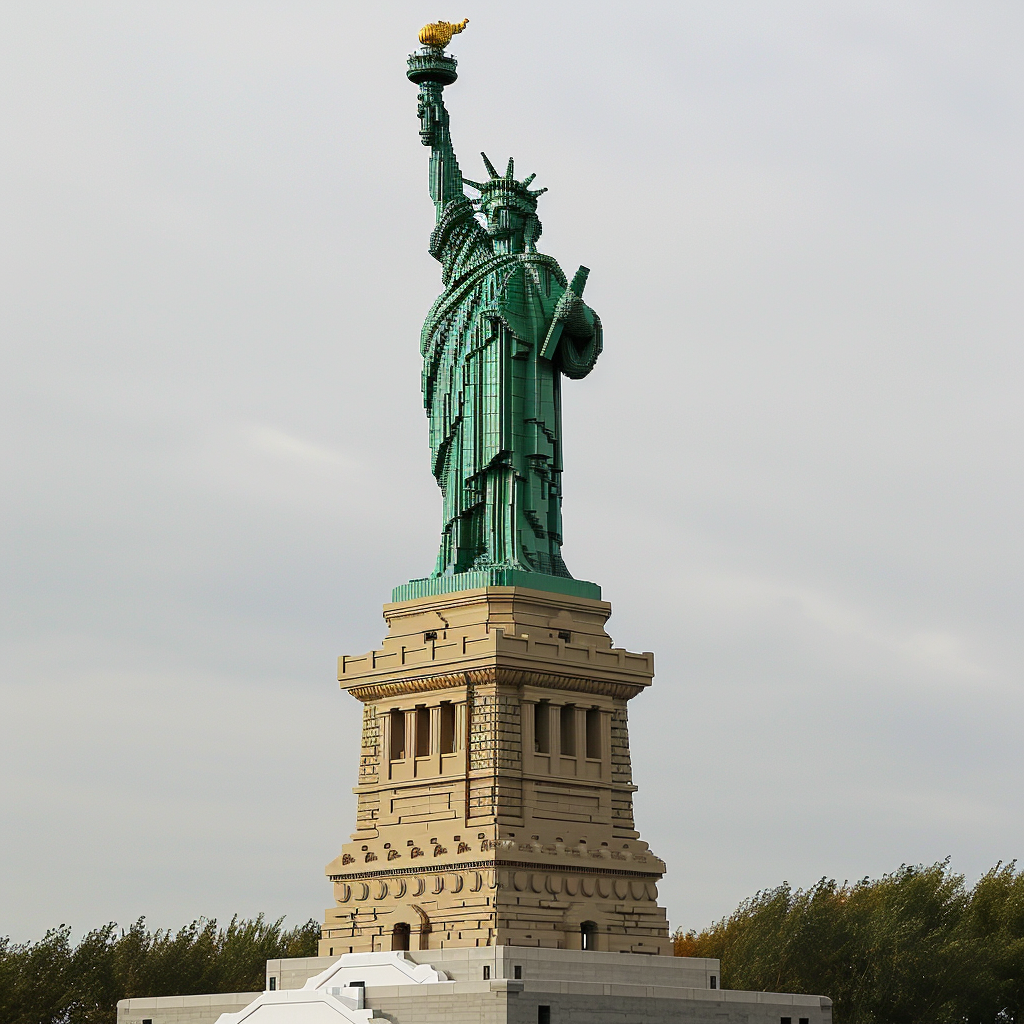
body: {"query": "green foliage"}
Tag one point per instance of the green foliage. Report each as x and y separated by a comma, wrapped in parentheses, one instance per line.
(53, 982)
(914, 947)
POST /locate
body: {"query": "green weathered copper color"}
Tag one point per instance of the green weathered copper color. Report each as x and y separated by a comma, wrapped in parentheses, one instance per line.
(495, 346)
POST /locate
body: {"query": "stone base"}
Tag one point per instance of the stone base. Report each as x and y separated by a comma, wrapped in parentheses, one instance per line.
(514, 985)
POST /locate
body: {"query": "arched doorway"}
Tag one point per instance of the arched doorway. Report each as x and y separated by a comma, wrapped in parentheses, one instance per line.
(588, 935)
(400, 936)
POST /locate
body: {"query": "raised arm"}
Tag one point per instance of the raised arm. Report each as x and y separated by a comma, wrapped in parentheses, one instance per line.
(445, 176)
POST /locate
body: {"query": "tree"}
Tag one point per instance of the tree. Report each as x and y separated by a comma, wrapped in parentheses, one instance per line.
(49, 982)
(913, 947)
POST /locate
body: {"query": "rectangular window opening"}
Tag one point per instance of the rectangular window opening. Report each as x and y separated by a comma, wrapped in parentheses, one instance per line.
(273, 984)
(447, 727)
(397, 734)
(714, 981)
(487, 974)
(805, 1020)
(543, 1015)
(517, 972)
(542, 727)
(785, 1020)
(422, 731)
(593, 733)
(567, 720)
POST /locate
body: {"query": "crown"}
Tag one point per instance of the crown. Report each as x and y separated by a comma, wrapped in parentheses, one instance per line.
(507, 187)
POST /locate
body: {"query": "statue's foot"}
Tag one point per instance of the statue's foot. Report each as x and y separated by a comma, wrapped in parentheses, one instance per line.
(509, 563)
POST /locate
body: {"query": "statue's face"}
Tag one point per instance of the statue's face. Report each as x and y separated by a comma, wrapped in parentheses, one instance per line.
(506, 222)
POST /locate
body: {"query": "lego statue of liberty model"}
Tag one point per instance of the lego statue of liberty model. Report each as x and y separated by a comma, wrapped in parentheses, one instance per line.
(495, 346)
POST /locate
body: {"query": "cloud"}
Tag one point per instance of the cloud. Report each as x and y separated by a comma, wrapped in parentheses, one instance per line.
(942, 655)
(277, 443)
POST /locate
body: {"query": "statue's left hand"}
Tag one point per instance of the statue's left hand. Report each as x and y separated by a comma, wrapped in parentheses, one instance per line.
(572, 311)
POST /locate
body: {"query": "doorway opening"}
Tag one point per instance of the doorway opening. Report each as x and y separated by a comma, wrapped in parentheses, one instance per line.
(400, 936)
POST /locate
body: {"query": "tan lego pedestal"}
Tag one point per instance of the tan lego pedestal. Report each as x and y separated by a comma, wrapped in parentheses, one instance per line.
(495, 793)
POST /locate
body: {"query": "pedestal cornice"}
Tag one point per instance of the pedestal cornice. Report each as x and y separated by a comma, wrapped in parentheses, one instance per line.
(544, 640)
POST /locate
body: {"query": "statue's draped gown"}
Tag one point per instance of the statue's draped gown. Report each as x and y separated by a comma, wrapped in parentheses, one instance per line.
(493, 402)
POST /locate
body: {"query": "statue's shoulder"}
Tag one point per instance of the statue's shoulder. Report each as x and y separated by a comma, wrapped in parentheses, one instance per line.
(453, 218)
(458, 240)
(462, 287)
(539, 280)
(542, 279)
(540, 259)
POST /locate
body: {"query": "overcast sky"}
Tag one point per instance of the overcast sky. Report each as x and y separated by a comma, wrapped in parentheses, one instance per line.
(795, 471)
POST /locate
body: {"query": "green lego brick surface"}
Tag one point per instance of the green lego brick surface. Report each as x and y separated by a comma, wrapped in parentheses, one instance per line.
(475, 579)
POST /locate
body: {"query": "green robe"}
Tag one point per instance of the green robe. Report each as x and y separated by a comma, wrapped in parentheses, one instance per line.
(494, 404)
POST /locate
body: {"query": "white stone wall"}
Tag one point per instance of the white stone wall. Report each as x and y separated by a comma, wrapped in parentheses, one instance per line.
(182, 1009)
(578, 987)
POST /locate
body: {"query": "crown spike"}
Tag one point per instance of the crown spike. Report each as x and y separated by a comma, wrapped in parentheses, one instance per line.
(536, 191)
(490, 167)
(478, 185)
(510, 170)
(526, 181)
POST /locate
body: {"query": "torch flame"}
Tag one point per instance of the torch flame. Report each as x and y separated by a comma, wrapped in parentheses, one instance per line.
(439, 33)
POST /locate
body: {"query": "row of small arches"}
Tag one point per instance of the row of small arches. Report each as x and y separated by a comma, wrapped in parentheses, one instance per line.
(583, 885)
(521, 881)
(398, 888)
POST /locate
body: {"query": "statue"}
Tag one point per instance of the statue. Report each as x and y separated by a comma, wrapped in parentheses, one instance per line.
(496, 343)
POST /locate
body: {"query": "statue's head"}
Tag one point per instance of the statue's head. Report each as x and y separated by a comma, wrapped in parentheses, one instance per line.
(509, 207)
